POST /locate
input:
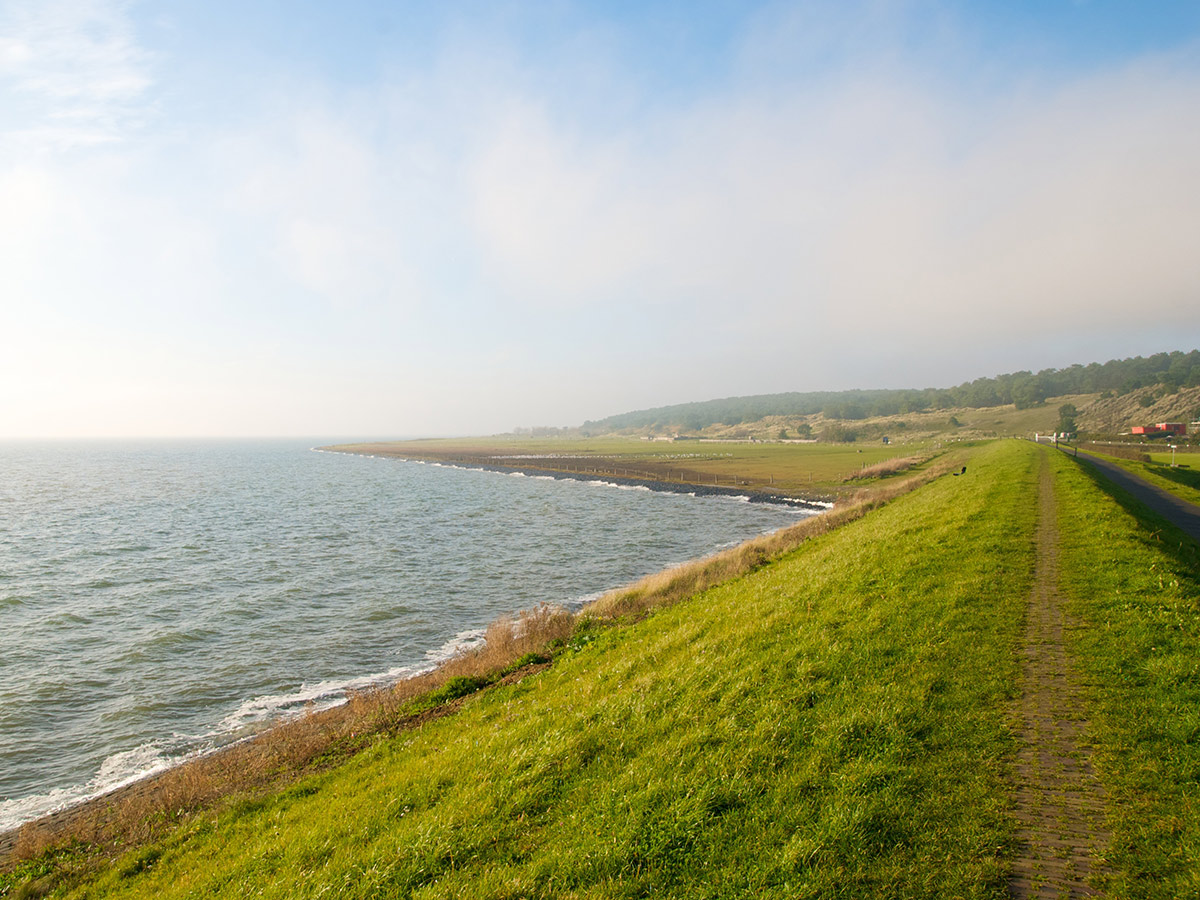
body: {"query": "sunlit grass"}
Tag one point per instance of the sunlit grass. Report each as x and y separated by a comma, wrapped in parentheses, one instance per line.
(831, 724)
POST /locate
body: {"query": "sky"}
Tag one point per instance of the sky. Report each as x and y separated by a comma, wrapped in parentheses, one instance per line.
(381, 219)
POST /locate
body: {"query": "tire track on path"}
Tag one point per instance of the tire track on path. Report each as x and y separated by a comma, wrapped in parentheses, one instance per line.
(1059, 801)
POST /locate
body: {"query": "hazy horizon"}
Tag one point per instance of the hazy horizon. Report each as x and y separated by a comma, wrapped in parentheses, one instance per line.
(381, 219)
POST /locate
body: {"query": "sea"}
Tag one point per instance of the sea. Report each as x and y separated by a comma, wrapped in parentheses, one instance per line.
(161, 599)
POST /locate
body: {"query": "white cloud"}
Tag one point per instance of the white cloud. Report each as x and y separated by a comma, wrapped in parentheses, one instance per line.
(879, 206)
(329, 213)
(71, 72)
(463, 248)
(1068, 212)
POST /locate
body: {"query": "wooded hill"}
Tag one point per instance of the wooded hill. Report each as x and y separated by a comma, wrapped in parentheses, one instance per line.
(1023, 389)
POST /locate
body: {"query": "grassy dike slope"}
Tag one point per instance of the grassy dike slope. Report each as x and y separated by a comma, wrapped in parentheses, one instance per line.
(833, 724)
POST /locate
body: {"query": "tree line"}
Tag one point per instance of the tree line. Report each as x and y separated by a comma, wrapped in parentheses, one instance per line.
(1024, 389)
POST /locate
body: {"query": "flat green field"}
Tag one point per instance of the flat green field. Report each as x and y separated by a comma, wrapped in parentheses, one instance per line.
(796, 469)
(1189, 457)
(836, 723)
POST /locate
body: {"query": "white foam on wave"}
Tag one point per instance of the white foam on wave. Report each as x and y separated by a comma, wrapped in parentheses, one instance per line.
(580, 602)
(115, 772)
(621, 487)
(124, 768)
(470, 639)
(307, 698)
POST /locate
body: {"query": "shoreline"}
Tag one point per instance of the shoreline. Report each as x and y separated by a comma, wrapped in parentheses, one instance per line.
(88, 808)
(102, 812)
(753, 495)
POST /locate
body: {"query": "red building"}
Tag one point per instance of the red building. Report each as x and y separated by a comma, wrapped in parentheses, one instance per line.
(1161, 428)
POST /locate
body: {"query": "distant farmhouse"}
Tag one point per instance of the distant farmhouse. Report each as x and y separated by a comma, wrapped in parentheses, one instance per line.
(1162, 429)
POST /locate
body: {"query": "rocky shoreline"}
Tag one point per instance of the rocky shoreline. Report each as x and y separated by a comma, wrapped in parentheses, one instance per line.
(673, 487)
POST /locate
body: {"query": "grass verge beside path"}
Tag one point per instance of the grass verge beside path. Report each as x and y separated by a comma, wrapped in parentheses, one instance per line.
(1182, 482)
(832, 724)
(1135, 590)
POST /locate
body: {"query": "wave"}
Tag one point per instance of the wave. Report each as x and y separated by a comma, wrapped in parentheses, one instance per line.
(271, 708)
(578, 603)
(804, 505)
(623, 487)
(250, 717)
(115, 772)
(470, 639)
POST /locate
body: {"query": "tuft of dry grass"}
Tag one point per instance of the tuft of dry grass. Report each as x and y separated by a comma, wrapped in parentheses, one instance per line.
(886, 467)
(509, 639)
(141, 812)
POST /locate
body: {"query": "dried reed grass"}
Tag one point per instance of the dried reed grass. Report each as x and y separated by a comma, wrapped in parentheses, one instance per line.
(886, 467)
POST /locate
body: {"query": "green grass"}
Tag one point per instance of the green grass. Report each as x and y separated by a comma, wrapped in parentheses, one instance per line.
(781, 467)
(1186, 456)
(1135, 584)
(832, 725)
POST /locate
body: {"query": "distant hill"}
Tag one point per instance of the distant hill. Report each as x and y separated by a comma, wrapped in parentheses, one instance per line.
(1024, 390)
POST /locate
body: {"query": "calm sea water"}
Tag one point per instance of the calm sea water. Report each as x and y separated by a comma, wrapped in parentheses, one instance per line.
(158, 599)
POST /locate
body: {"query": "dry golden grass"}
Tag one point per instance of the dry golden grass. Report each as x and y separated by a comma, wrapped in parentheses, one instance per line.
(281, 754)
(887, 467)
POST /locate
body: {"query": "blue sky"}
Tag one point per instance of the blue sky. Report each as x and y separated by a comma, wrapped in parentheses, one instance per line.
(380, 219)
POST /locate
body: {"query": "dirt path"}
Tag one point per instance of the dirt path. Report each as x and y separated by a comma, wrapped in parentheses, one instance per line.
(1059, 801)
